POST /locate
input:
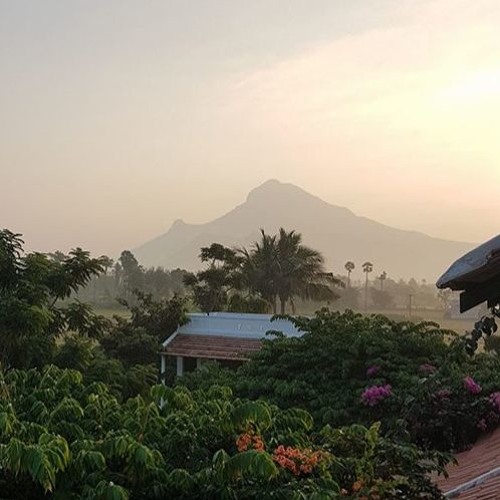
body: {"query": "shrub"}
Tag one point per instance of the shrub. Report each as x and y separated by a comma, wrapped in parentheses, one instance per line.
(65, 439)
(416, 379)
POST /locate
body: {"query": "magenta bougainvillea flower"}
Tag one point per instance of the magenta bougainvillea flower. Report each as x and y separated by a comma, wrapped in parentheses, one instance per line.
(376, 393)
(482, 425)
(471, 385)
(427, 368)
(443, 394)
(372, 370)
(495, 400)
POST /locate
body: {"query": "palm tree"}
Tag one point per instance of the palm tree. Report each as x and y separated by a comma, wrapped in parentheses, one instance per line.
(107, 263)
(350, 266)
(280, 268)
(300, 269)
(260, 268)
(367, 269)
(382, 278)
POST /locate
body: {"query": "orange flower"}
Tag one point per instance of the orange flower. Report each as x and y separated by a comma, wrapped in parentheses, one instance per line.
(357, 486)
(297, 461)
(249, 440)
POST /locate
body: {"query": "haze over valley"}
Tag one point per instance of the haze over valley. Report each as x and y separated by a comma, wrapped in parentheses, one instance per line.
(336, 231)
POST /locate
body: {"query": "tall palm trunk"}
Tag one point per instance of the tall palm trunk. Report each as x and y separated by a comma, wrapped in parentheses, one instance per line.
(366, 293)
(282, 306)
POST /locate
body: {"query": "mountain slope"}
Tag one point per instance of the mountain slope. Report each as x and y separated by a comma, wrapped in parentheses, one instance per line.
(336, 231)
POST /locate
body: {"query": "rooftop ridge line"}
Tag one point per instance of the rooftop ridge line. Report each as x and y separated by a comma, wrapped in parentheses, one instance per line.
(455, 492)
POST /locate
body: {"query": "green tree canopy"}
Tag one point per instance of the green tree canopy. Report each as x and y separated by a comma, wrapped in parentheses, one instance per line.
(136, 340)
(275, 268)
(280, 268)
(211, 287)
(35, 301)
(64, 439)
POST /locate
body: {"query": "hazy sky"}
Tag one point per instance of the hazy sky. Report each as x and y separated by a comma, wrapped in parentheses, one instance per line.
(118, 116)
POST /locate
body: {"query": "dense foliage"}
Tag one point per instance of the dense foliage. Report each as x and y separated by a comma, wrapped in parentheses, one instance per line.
(355, 408)
(271, 270)
(348, 368)
(135, 340)
(33, 315)
(61, 438)
(277, 268)
(123, 277)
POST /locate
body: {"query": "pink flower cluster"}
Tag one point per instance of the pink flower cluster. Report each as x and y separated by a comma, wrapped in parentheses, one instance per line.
(495, 400)
(471, 385)
(427, 368)
(372, 370)
(482, 425)
(443, 394)
(376, 393)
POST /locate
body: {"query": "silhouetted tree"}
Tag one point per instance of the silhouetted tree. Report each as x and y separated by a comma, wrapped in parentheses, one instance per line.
(367, 269)
(211, 286)
(132, 272)
(275, 268)
(35, 301)
(382, 278)
(280, 268)
(260, 269)
(107, 263)
(350, 266)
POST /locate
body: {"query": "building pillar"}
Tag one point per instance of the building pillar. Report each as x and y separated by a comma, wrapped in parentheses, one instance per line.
(180, 366)
(199, 362)
(163, 367)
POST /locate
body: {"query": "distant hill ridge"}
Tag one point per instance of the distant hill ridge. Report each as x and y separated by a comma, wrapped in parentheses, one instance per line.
(336, 231)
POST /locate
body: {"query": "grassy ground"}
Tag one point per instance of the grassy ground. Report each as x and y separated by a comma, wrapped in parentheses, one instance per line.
(458, 325)
(108, 312)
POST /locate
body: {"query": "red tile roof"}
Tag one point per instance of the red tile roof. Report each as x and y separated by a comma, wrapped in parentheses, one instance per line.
(212, 347)
(481, 459)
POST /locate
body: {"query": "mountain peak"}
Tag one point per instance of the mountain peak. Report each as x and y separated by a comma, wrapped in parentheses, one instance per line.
(335, 231)
(271, 186)
(273, 193)
(275, 190)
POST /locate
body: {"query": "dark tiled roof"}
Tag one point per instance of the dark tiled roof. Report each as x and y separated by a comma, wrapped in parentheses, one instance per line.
(489, 490)
(481, 459)
(476, 267)
(212, 347)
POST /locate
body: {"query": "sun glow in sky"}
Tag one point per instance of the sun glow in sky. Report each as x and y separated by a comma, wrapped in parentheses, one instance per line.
(119, 117)
(474, 87)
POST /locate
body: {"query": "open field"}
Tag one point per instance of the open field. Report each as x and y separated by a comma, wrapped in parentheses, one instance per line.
(460, 326)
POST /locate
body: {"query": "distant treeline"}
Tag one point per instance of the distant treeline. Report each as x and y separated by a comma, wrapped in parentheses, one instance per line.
(122, 277)
(246, 274)
(392, 294)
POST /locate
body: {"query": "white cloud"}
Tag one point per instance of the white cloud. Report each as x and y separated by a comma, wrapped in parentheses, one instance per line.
(407, 113)
(410, 78)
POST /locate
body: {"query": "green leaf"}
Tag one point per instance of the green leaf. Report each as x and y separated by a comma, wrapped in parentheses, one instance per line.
(252, 413)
